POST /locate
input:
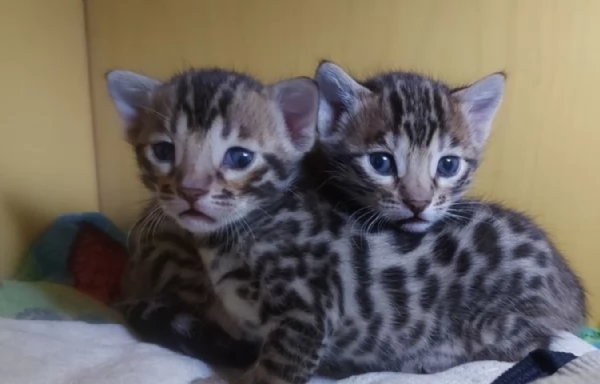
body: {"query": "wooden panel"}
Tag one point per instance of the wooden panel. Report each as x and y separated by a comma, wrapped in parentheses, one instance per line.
(540, 158)
(46, 151)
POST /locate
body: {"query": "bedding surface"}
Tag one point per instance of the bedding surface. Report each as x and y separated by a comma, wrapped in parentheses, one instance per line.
(69, 352)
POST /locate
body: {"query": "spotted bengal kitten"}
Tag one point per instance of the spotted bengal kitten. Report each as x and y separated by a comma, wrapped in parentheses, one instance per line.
(402, 148)
(309, 282)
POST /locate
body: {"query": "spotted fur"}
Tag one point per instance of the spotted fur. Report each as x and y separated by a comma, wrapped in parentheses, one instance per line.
(168, 299)
(491, 276)
(317, 287)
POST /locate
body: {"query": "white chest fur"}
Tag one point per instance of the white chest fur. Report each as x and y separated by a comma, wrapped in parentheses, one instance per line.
(234, 293)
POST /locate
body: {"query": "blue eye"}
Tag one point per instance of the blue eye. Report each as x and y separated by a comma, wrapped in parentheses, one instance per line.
(164, 151)
(448, 166)
(238, 158)
(382, 163)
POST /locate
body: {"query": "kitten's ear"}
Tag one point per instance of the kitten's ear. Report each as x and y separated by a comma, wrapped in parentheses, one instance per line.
(479, 103)
(130, 92)
(298, 100)
(338, 92)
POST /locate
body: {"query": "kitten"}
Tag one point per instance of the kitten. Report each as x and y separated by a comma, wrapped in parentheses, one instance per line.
(224, 156)
(402, 148)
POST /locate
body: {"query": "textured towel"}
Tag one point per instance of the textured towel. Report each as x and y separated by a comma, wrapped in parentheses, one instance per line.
(64, 352)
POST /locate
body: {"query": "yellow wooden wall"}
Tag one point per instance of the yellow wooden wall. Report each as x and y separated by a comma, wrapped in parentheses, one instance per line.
(46, 148)
(541, 156)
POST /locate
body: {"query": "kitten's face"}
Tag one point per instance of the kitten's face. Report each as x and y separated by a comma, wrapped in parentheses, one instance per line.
(403, 146)
(214, 145)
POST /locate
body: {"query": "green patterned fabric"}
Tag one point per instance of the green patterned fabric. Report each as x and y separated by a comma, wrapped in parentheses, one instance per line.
(591, 335)
(50, 301)
(44, 286)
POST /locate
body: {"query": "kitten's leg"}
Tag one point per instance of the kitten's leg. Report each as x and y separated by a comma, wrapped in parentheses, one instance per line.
(505, 337)
(165, 323)
(291, 353)
(512, 337)
(174, 307)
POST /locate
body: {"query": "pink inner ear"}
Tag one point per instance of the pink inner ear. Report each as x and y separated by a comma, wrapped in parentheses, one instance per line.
(297, 124)
(298, 109)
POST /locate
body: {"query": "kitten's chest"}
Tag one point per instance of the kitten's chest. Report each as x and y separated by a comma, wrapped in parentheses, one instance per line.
(233, 283)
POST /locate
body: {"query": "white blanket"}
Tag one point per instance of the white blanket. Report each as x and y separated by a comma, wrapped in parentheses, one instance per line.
(58, 352)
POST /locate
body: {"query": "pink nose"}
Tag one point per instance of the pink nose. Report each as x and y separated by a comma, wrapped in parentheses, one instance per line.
(416, 206)
(192, 194)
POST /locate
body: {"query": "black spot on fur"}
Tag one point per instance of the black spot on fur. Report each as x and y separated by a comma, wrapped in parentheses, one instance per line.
(277, 289)
(454, 296)
(405, 242)
(485, 238)
(463, 263)
(445, 248)
(430, 292)
(515, 284)
(393, 281)
(301, 268)
(335, 224)
(243, 292)
(516, 223)
(541, 259)
(478, 289)
(360, 256)
(535, 283)
(422, 268)
(320, 250)
(522, 251)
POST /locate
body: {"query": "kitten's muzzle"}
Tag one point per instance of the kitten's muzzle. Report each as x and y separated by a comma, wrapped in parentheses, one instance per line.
(196, 214)
(416, 206)
(191, 195)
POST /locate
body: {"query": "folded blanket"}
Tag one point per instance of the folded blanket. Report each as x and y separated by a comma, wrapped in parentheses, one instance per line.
(66, 352)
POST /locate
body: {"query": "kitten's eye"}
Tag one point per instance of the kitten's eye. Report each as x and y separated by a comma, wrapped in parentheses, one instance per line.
(238, 158)
(448, 166)
(164, 151)
(382, 163)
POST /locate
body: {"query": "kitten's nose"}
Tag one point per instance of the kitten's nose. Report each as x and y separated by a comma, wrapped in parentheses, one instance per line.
(192, 194)
(416, 206)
